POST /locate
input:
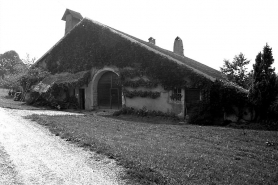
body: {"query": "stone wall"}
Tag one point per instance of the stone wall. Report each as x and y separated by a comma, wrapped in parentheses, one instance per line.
(162, 103)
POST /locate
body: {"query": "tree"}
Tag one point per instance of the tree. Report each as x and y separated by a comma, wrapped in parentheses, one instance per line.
(236, 70)
(264, 87)
(28, 61)
(10, 63)
(274, 105)
(2, 73)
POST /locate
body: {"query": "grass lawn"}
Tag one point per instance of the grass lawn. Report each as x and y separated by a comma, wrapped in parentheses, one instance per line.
(159, 153)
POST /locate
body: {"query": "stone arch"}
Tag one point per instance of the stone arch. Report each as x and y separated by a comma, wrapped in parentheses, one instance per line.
(95, 81)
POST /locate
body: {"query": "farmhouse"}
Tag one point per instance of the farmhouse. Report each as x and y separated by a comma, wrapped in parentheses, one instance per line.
(106, 68)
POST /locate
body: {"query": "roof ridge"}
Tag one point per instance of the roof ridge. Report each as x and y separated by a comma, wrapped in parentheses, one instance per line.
(196, 66)
(152, 49)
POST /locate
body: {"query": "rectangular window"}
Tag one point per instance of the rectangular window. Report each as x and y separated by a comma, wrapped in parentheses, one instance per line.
(176, 94)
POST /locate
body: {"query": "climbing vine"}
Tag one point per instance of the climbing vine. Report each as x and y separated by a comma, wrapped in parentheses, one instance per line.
(90, 44)
(176, 97)
(140, 83)
(33, 76)
(220, 97)
(93, 45)
(143, 94)
(126, 73)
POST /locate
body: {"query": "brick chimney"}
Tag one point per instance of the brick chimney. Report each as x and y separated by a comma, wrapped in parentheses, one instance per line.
(178, 46)
(71, 18)
(152, 40)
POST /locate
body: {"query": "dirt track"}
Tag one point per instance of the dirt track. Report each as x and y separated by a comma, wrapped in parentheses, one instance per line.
(30, 154)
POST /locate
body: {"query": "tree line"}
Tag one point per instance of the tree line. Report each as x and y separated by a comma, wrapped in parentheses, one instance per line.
(261, 81)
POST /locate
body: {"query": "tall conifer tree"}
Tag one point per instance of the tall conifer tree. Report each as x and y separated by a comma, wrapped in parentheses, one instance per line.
(263, 89)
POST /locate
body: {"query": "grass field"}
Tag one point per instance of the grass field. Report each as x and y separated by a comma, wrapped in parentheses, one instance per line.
(175, 154)
(164, 152)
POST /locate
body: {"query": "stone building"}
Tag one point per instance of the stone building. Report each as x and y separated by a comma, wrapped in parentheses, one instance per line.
(124, 70)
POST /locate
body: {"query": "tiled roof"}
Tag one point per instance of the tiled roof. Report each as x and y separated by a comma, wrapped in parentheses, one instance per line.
(73, 13)
(198, 67)
(204, 69)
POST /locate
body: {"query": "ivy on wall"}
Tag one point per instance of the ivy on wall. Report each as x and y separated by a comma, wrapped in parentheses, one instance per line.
(176, 97)
(92, 45)
(33, 76)
(143, 94)
(126, 73)
(219, 98)
(140, 83)
(230, 94)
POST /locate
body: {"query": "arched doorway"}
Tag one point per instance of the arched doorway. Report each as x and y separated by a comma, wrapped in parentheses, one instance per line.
(109, 91)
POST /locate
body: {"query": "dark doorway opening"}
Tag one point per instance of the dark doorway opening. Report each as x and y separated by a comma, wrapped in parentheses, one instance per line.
(192, 96)
(109, 91)
(82, 98)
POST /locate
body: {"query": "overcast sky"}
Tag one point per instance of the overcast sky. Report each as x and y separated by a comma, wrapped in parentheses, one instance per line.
(211, 30)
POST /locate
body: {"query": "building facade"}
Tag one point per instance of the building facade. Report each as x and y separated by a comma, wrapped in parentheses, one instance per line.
(124, 70)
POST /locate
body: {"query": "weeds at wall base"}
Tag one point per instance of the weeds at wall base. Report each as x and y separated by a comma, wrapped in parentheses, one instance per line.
(146, 113)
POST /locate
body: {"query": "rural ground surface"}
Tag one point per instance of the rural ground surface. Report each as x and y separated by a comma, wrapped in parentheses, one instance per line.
(97, 148)
(30, 154)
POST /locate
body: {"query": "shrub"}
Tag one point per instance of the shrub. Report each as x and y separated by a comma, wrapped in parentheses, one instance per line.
(144, 113)
(143, 94)
(201, 114)
(33, 76)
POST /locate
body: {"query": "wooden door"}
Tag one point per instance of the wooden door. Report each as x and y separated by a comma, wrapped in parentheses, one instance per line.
(109, 91)
(192, 96)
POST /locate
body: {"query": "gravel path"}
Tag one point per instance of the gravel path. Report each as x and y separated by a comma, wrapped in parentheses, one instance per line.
(30, 154)
(8, 175)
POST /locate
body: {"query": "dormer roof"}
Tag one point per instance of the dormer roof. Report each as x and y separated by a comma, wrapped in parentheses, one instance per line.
(73, 13)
